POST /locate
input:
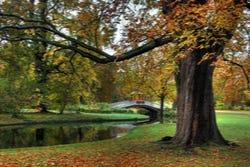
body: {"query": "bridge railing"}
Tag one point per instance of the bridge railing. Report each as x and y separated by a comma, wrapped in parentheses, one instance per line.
(128, 103)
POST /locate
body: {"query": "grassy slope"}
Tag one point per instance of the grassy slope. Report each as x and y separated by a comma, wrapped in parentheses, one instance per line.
(39, 117)
(139, 148)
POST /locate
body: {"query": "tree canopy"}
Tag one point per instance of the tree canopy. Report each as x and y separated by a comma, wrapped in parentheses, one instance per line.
(87, 27)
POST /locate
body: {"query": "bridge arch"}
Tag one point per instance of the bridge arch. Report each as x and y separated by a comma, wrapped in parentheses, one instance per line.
(153, 108)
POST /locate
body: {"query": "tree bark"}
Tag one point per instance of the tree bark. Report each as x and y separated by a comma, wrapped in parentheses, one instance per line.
(162, 97)
(196, 122)
(41, 69)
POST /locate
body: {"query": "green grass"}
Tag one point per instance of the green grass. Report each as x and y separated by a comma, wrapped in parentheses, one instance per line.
(50, 117)
(139, 148)
(234, 126)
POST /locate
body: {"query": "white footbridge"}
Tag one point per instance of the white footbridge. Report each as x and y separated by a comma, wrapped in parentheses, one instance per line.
(137, 104)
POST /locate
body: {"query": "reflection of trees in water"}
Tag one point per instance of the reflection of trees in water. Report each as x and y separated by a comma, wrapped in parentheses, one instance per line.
(18, 137)
(13, 134)
(62, 135)
(32, 136)
(72, 134)
(90, 134)
(40, 136)
(80, 134)
(104, 134)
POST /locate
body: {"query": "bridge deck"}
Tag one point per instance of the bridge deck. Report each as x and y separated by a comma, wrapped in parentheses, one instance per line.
(137, 103)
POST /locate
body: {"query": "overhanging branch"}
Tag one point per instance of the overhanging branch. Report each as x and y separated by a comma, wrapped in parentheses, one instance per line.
(94, 54)
(21, 18)
(56, 32)
(74, 44)
(144, 48)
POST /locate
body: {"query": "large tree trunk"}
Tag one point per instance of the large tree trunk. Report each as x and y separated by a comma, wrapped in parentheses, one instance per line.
(196, 123)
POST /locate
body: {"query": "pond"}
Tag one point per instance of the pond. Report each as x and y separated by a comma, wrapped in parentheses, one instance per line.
(41, 135)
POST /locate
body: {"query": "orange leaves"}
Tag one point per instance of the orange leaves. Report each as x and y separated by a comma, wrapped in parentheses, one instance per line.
(46, 159)
(202, 26)
(135, 150)
(225, 15)
(180, 56)
(187, 16)
(230, 83)
(68, 160)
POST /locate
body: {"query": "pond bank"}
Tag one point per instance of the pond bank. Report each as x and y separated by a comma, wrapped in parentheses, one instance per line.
(51, 118)
(74, 121)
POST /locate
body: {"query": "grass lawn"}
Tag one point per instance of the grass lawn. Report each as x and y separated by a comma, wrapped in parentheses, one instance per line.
(139, 148)
(51, 117)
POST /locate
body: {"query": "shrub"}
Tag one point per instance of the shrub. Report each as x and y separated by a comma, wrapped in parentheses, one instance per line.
(8, 104)
(97, 108)
(230, 107)
(143, 111)
(170, 116)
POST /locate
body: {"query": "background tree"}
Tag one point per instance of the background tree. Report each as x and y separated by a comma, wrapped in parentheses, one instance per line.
(45, 58)
(74, 82)
(163, 80)
(232, 75)
(16, 77)
(153, 75)
(230, 82)
(39, 49)
(106, 91)
(131, 76)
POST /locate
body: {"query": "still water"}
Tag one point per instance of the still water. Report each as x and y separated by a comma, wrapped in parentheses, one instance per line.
(29, 136)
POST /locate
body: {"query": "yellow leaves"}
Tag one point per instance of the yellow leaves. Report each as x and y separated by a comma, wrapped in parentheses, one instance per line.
(206, 57)
(30, 31)
(225, 15)
(53, 96)
(230, 83)
(222, 20)
(80, 75)
(187, 34)
(247, 94)
(188, 39)
(180, 56)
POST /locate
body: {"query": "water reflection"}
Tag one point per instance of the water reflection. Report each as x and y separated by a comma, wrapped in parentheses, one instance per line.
(64, 134)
